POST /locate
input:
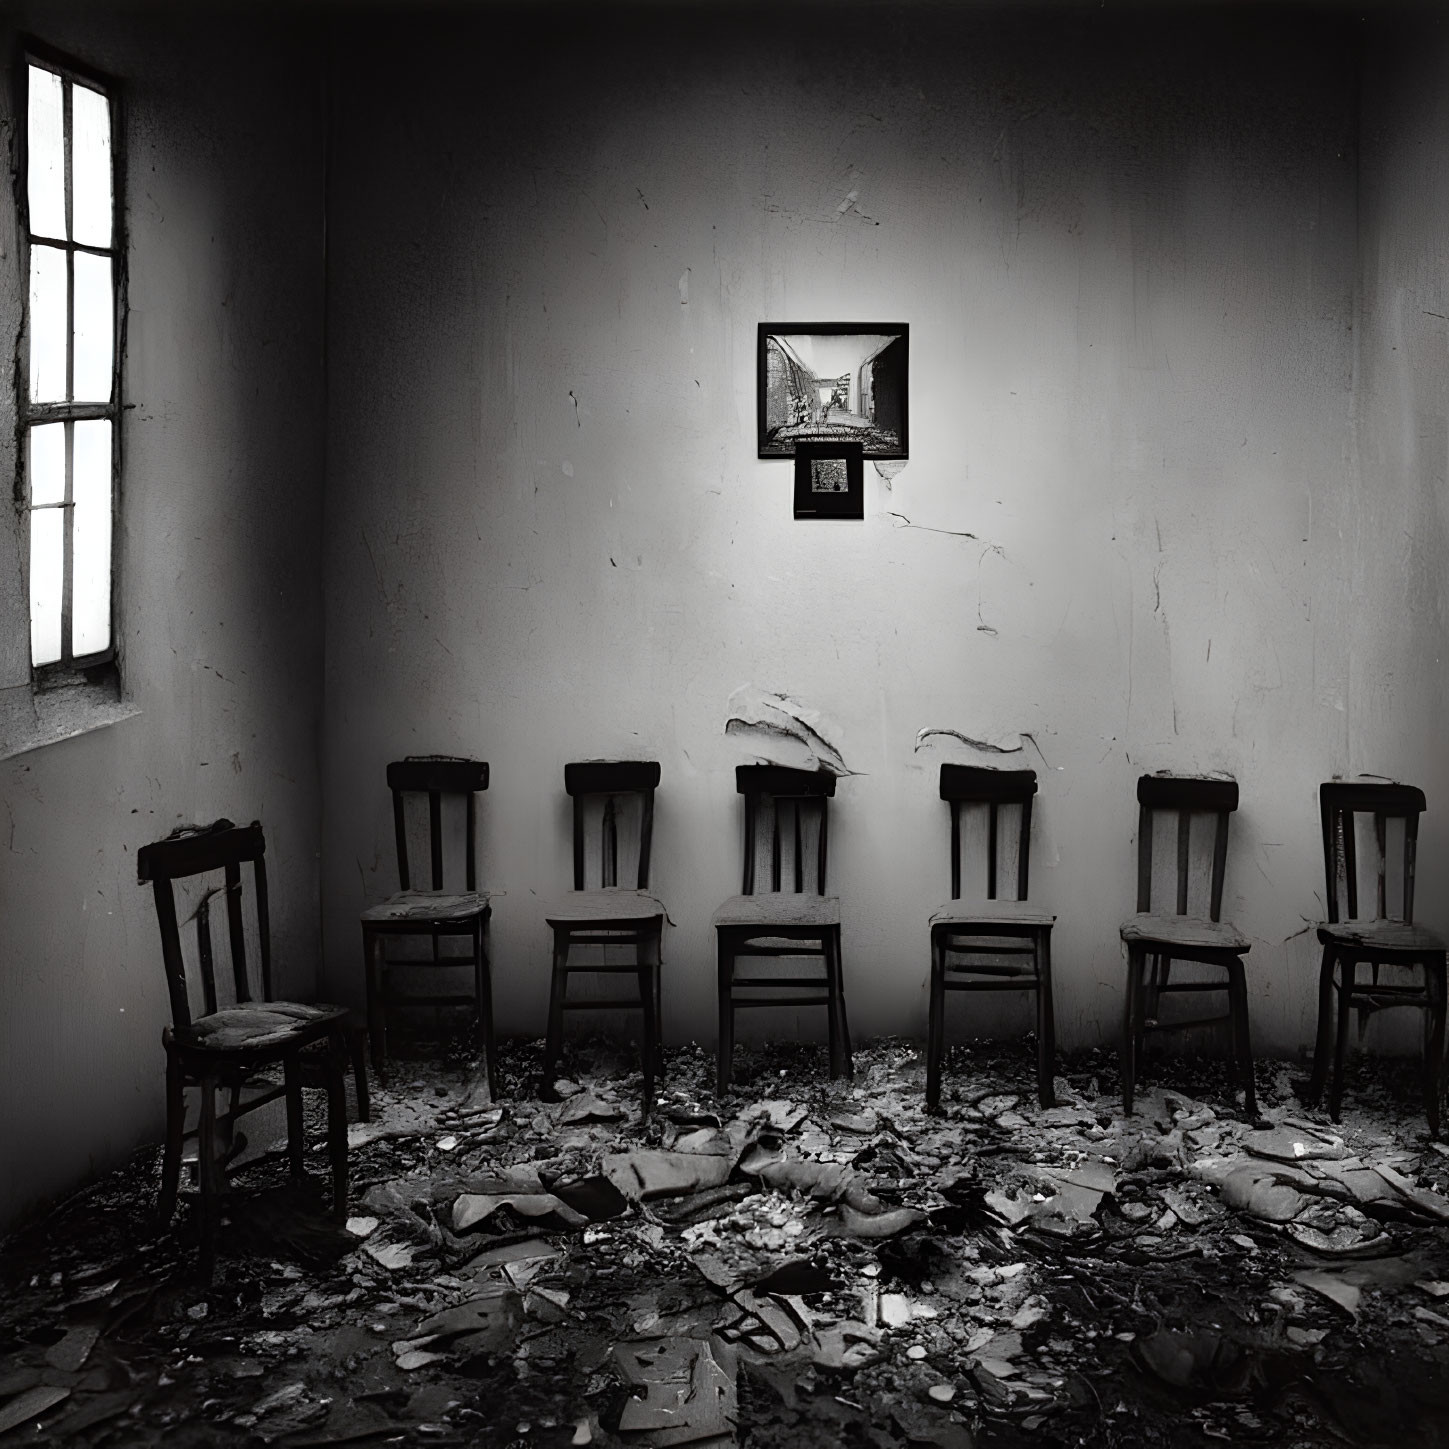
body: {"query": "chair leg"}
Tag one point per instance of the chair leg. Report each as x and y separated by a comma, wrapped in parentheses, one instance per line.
(175, 1127)
(935, 1024)
(1046, 1030)
(337, 1123)
(1242, 1038)
(840, 1007)
(376, 966)
(483, 986)
(832, 1002)
(725, 1046)
(1323, 1042)
(1347, 974)
(557, 992)
(209, 1172)
(659, 1011)
(1149, 995)
(1435, 989)
(1136, 957)
(233, 1146)
(357, 1048)
(1152, 987)
(649, 951)
(292, 1077)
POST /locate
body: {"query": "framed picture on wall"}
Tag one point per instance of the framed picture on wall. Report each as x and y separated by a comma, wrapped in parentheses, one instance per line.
(829, 479)
(834, 382)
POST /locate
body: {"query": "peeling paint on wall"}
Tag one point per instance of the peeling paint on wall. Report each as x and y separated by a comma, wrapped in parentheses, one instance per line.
(782, 731)
(1003, 744)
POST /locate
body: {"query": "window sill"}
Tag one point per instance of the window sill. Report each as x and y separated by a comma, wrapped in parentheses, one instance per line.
(30, 719)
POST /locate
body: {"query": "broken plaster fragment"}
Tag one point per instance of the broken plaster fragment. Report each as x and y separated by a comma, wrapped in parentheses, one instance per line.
(845, 1345)
(418, 1358)
(1333, 1287)
(72, 1351)
(689, 1389)
(888, 468)
(30, 1405)
(472, 1208)
(857, 1224)
(391, 1256)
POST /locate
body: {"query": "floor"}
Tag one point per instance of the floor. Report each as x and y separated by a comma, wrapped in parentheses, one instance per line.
(803, 1263)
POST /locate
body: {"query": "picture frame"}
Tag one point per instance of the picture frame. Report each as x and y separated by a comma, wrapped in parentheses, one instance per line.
(834, 381)
(829, 479)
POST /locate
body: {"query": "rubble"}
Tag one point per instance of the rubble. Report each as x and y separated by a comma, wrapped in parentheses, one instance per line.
(801, 1264)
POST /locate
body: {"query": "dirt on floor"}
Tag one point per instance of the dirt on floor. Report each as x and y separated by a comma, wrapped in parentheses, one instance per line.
(803, 1262)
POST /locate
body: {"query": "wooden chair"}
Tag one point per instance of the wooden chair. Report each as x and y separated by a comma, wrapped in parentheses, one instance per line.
(1382, 940)
(798, 922)
(971, 945)
(434, 915)
(606, 793)
(1155, 940)
(228, 1046)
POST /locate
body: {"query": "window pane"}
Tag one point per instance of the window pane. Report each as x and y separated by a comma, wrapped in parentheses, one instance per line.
(90, 166)
(47, 463)
(47, 324)
(94, 327)
(45, 143)
(47, 566)
(91, 559)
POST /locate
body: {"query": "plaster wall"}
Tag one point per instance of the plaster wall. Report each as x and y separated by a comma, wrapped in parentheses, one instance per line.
(1129, 529)
(218, 548)
(1397, 522)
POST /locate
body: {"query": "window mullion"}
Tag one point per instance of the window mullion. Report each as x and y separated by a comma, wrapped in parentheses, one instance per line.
(68, 532)
(68, 548)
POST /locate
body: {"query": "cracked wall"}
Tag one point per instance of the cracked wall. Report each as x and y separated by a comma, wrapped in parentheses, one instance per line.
(1131, 532)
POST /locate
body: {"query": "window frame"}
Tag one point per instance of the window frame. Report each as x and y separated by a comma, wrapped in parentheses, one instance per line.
(100, 666)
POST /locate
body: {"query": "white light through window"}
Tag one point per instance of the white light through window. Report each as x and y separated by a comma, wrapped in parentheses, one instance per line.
(69, 402)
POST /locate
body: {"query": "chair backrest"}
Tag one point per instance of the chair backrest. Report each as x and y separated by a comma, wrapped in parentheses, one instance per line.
(1339, 805)
(437, 776)
(966, 786)
(606, 792)
(193, 851)
(803, 797)
(1184, 796)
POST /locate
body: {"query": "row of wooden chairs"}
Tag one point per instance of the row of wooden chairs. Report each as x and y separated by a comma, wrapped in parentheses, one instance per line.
(989, 943)
(997, 942)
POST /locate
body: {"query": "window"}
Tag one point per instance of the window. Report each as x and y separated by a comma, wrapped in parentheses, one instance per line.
(69, 380)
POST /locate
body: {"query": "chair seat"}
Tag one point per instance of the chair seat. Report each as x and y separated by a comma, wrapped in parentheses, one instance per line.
(423, 906)
(259, 1026)
(603, 907)
(779, 909)
(991, 913)
(1381, 935)
(1184, 932)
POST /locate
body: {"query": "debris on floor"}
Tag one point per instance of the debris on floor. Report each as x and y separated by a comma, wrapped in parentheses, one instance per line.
(803, 1262)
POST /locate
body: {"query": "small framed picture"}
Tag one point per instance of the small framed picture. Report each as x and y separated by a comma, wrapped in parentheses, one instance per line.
(829, 480)
(824, 381)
